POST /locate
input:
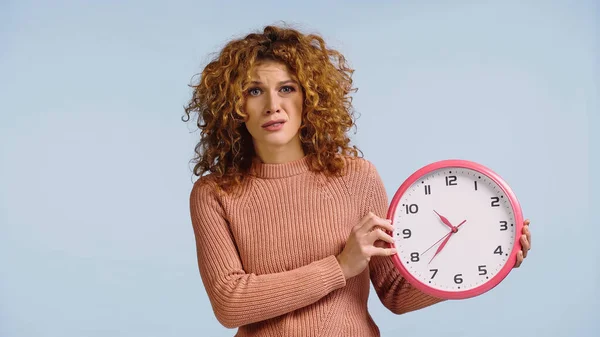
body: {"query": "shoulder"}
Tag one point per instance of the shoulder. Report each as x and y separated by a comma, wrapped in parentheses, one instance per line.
(204, 194)
(206, 207)
(204, 186)
(358, 167)
(365, 183)
(207, 190)
(360, 174)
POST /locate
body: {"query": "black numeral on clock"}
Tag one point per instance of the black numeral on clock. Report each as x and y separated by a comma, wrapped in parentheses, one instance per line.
(414, 257)
(451, 181)
(482, 270)
(434, 271)
(475, 185)
(458, 279)
(498, 250)
(412, 208)
(495, 202)
(427, 189)
(503, 225)
(407, 233)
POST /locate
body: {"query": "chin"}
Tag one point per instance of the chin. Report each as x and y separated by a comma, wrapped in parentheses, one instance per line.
(280, 141)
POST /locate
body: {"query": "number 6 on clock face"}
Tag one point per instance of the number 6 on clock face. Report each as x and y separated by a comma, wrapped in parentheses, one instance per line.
(456, 229)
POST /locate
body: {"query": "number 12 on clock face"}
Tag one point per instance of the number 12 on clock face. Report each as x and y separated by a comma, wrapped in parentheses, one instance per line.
(456, 225)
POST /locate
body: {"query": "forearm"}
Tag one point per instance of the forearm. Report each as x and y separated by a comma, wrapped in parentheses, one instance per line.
(394, 291)
(238, 298)
(399, 296)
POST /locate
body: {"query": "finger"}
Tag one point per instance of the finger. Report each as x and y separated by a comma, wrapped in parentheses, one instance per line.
(524, 245)
(385, 225)
(378, 234)
(519, 259)
(372, 220)
(527, 232)
(365, 223)
(383, 251)
(382, 244)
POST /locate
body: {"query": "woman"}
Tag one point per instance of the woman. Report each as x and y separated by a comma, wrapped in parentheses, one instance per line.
(289, 221)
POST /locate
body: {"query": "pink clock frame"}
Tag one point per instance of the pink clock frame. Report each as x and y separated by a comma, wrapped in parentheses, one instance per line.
(506, 269)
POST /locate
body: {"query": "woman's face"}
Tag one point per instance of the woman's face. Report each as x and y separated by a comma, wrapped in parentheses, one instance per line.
(273, 104)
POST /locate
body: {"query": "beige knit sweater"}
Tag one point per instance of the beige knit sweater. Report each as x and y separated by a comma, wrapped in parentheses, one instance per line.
(267, 254)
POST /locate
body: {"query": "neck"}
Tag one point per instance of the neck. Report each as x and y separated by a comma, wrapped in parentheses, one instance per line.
(282, 170)
(280, 155)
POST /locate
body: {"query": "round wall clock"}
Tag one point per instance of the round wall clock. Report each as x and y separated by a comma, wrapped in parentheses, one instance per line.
(456, 229)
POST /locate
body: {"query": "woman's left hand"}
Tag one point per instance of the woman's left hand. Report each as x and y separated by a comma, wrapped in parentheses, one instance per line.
(525, 244)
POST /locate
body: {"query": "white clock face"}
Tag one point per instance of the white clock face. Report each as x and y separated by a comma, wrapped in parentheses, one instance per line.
(480, 243)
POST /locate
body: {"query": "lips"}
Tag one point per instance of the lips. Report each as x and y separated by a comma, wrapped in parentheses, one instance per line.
(276, 121)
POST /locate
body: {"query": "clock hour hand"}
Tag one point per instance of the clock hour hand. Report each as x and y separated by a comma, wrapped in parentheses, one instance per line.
(444, 220)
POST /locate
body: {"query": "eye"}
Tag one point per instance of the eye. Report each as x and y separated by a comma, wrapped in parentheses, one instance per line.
(254, 91)
(287, 89)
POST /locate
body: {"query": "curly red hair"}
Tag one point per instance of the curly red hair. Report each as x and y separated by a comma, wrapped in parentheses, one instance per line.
(225, 148)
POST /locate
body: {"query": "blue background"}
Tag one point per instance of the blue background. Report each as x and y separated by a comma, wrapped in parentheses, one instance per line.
(95, 235)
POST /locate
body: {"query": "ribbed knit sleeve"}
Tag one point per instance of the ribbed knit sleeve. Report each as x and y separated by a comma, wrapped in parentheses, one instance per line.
(239, 298)
(393, 290)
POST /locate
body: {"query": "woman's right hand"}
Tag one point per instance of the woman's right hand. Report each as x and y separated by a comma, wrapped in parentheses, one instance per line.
(365, 241)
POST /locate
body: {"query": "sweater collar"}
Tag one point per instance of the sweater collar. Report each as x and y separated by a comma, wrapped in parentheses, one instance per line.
(269, 171)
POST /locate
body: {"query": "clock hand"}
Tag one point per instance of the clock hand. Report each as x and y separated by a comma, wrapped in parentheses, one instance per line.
(444, 219)
(441, 246)
(447, 237)
(443, 237)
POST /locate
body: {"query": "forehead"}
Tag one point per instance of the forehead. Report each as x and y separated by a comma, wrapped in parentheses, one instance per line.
(271, 69)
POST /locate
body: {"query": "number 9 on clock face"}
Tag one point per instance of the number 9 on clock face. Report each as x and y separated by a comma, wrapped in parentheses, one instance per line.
(456, 229)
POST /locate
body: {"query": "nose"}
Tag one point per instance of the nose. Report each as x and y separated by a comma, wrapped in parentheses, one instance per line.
(273, 104)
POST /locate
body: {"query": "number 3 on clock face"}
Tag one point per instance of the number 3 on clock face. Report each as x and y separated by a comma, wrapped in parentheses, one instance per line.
(456, 229)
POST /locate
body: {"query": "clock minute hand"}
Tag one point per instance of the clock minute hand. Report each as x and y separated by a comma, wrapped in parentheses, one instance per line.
(449, 235)
(441, 246)
(438, 241)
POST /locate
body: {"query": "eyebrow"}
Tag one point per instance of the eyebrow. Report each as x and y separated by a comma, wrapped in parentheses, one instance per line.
(280, 83)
